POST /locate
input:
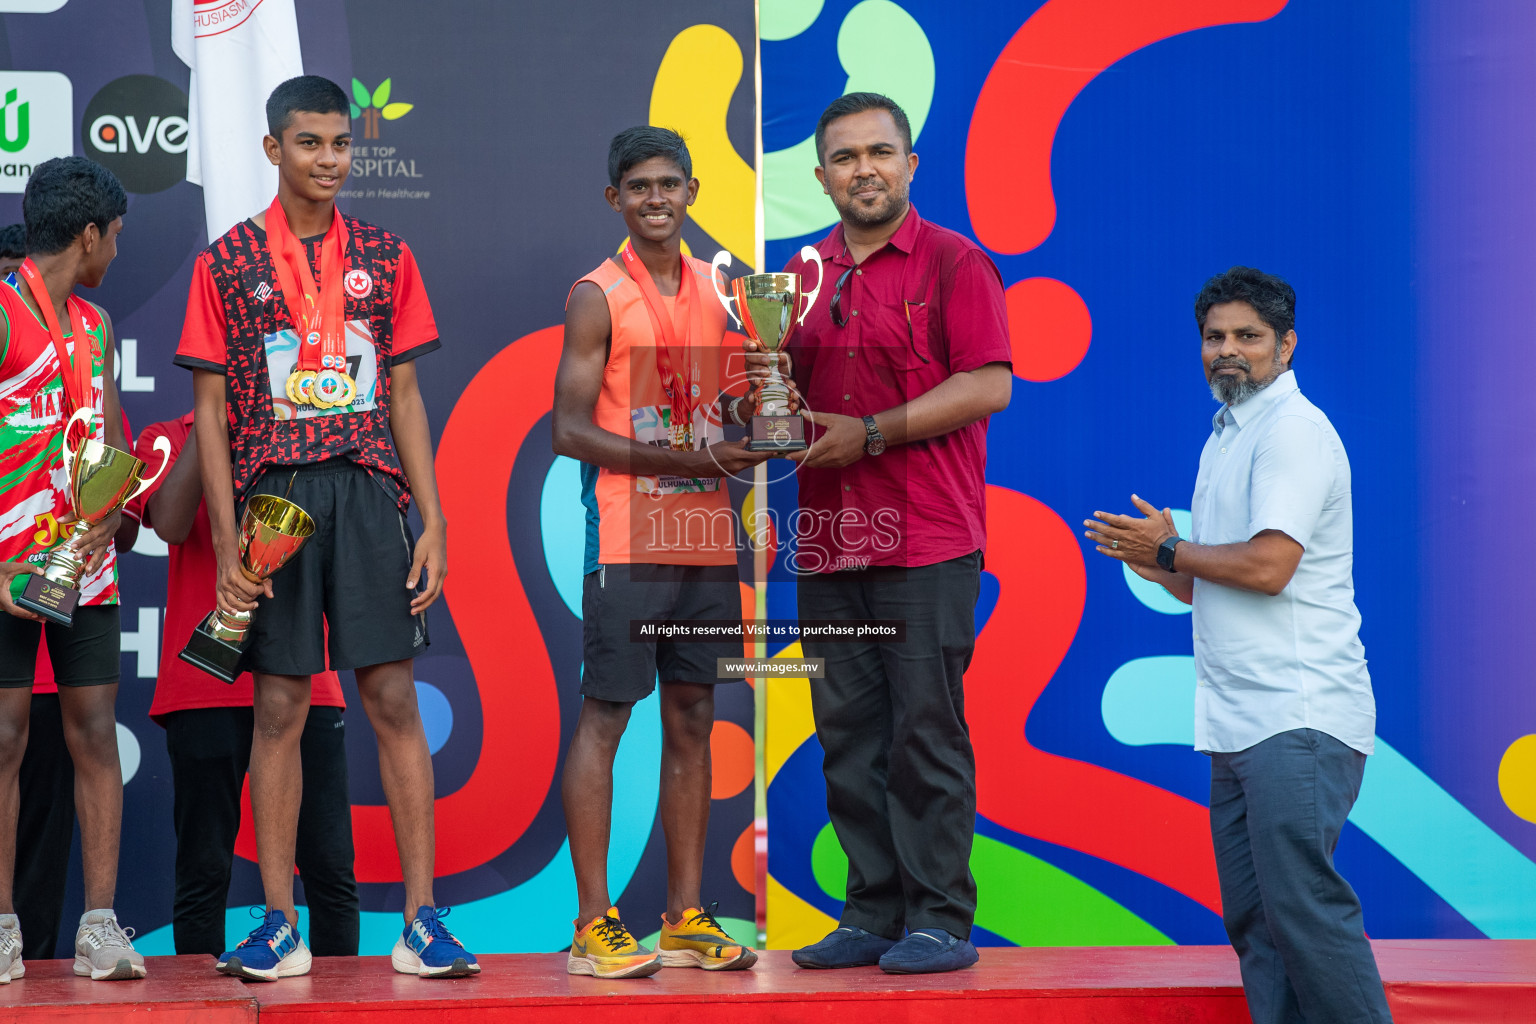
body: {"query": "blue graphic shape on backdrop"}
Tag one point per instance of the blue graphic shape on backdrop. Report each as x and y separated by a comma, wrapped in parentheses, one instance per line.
(1452, 851)
(483, 923)
(563, 520)
(1151, 700)
(436, 715)
(1151, 594)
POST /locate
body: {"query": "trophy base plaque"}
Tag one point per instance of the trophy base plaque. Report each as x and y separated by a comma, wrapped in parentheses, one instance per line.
(779, 434)
(219, 658)
(53, 601)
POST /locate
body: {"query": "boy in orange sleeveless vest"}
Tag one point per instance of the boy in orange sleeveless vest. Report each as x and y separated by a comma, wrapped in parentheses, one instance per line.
(638, 400)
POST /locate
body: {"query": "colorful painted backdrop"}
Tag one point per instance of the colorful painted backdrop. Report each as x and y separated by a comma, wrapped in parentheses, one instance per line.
(482, 134)
(1111, 154)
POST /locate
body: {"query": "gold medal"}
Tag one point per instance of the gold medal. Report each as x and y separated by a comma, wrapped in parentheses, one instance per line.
(328, 389)
(348, 389)
(301, 386)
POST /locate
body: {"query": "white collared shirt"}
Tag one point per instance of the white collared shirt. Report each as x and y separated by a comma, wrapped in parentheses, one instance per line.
(1265, 665)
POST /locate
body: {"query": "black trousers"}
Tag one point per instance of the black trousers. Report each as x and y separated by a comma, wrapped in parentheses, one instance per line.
(1277, 809)
(44, 829)
(210, 750)
(900, 771)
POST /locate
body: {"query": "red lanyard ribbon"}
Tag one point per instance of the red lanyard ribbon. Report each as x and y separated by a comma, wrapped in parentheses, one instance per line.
(320, 377)
(686, 321)
(77, 377)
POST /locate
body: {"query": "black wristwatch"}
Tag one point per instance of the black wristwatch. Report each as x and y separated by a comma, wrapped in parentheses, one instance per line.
(1165, 553)
(874, 441)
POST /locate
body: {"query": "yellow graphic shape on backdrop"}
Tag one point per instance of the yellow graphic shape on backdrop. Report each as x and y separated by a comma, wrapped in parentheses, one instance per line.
(789, 716)
(692, 92)
(1517, 777)
(683, 242)
(792, 922)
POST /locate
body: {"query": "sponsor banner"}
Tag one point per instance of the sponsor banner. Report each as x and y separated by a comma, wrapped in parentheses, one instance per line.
(136, 127)
(35, 120)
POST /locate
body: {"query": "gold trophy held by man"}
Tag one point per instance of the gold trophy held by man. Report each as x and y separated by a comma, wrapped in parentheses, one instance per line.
(102, 479)
(767, 307)
(272, 531)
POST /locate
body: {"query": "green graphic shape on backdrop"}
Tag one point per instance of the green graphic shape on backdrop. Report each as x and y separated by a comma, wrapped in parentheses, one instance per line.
(784, 19)
(1029, 902)
(883, 49)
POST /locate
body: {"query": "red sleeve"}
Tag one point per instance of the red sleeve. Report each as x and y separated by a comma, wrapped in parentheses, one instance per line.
(204, 333)
(976, 315)
(415, 329)
(144, 449)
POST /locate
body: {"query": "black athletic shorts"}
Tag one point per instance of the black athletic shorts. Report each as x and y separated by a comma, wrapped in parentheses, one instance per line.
(346, 587)
(84, 654)
(618, 668)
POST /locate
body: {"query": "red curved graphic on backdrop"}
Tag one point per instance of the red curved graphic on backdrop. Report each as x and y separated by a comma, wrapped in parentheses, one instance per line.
(1039, 566)
(1061, 48)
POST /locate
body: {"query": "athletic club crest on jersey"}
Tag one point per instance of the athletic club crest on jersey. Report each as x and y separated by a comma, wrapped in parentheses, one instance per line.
(358, 283)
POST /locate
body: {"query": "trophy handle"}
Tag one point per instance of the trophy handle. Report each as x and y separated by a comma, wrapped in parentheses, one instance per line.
(163, 446)
(810, 255)
(85, 414)
(722, 259)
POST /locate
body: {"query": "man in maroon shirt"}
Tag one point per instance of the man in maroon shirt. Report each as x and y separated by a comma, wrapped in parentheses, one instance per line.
(899, 371)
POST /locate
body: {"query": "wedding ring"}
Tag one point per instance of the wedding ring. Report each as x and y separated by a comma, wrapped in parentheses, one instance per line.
(1114, 545)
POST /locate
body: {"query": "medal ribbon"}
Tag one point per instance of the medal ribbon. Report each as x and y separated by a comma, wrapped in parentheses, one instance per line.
(685, 315)
(320, 318)
(76, 377)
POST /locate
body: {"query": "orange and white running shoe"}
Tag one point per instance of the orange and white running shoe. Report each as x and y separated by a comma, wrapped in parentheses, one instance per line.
(603, 948)
(698, 940)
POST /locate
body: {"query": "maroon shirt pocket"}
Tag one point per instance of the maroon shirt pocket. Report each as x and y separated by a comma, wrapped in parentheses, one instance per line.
(919, 351)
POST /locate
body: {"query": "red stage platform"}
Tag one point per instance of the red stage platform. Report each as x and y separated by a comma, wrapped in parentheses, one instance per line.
(1485, 982)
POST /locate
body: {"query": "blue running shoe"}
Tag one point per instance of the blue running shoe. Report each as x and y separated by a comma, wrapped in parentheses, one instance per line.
(274, 950)
(428, 950)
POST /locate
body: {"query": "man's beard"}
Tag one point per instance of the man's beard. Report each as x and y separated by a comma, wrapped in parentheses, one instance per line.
(895, 201)
(1237, 390)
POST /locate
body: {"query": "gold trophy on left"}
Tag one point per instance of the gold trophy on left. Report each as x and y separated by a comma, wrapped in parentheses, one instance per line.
(102, 479)
(272, 531)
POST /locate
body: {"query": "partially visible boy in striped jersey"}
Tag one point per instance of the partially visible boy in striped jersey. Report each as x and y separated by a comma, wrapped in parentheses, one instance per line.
(56, 358)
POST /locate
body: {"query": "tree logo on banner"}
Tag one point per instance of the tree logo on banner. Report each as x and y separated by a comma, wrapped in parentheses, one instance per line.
(371, 106)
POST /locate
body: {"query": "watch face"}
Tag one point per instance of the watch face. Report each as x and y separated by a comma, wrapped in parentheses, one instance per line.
(1165, 553)
(874, 443)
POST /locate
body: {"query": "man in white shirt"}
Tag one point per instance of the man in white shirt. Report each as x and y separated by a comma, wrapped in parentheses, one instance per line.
(1283, 701)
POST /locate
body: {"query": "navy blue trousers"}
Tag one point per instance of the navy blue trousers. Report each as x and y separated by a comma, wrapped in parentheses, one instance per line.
(1277, 809)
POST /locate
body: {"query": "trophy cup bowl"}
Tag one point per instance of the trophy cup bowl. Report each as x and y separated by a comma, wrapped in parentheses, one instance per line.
(272, 531)
(768, 308)
(102, 479)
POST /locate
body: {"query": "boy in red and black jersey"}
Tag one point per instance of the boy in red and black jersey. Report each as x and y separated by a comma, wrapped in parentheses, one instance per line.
(302, 329)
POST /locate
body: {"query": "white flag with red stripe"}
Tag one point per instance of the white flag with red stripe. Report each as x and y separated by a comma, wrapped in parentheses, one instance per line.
(239, 51)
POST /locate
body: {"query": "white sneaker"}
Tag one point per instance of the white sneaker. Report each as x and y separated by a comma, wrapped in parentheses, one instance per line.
(103, 949)
(10, 949)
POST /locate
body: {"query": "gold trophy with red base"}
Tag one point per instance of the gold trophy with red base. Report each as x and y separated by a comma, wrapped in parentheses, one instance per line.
(767, 306)
(272, 531)
(102, 479)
